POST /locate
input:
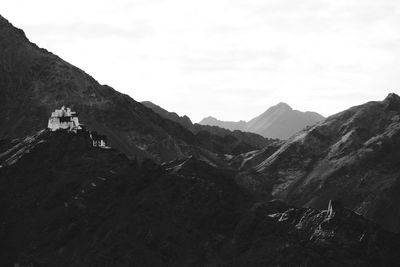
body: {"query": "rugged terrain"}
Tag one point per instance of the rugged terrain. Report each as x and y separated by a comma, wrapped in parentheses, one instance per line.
(34, 82)
(66, 203)
(278, 122)
(352, 156)
(173, 193)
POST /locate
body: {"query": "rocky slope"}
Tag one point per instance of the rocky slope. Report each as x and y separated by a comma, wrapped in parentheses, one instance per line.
(279, 121)
(352, 156)
(66, 203)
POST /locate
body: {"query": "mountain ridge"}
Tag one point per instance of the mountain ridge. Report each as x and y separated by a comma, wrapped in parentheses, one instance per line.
(34, 82)
(351, 156)
(213, 137)
(279, 121)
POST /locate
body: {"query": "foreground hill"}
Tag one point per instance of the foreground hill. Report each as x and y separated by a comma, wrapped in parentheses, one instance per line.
(279, 121)
(353, 156)
(65, 203)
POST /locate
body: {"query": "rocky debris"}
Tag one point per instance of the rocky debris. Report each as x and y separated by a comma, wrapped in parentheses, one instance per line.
(276, 234)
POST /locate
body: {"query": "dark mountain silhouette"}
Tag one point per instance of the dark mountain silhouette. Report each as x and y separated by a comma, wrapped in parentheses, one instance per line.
(279, 121)
(352, 156)
(66, 203)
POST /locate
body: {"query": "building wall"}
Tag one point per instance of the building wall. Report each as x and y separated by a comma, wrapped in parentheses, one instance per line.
(75, 121)
(55, 124)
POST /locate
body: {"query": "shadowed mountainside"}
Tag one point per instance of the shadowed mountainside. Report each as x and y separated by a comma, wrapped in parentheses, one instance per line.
(66, 203)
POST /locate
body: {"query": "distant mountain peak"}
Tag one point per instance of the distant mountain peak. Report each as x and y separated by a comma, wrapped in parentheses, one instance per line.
(393, 101)
(280, 121)
(392, 97)
(210, 118)
(283, 105)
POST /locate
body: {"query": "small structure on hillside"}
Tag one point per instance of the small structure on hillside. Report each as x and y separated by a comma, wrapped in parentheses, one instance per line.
(65, 119)
(98, 140)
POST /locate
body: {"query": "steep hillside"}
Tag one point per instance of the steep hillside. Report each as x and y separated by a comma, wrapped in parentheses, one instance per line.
(184, 120)
(353, 156)
(65, 203)
(34, 82)
(279, 121)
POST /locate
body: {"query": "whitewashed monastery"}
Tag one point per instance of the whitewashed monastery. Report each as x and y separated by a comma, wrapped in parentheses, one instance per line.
(65, 119)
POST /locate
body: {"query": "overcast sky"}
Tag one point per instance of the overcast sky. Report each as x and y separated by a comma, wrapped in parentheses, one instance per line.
(231, 59)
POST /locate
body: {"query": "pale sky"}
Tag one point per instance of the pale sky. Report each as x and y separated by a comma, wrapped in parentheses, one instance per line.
(231, 59)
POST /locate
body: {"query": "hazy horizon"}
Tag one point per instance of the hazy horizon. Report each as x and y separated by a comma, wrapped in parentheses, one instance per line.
(227, 59)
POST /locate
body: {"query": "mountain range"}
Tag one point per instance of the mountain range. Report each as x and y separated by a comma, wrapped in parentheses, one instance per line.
(215, 137)
(172, 193)
(352, 156)
(33, 82)
(279, 121)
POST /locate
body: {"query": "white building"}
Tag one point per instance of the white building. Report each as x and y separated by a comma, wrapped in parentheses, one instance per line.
(65, 119)
(98, 140)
